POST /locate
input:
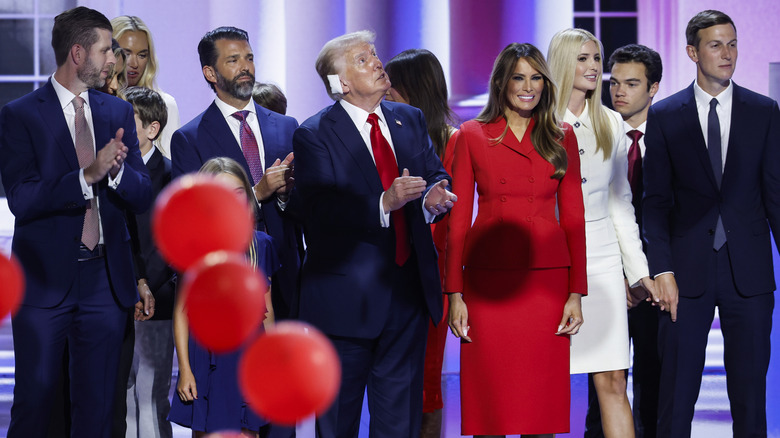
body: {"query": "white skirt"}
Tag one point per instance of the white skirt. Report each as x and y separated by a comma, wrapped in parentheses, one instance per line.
(602, 342)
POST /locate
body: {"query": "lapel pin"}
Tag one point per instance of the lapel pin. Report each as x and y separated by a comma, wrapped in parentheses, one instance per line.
(398, 122)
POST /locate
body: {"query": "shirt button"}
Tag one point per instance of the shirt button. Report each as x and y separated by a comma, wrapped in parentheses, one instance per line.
(582, 151)
(503, 180)
(584, 180)
(576, 124)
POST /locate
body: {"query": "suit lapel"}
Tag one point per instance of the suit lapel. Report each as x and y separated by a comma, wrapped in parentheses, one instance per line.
(51, 111)
(689, 116)
(345, 130)
(495, 130)
(739, 119)
(400, 135)
(100, 120)
(270, 134)
(225, 144)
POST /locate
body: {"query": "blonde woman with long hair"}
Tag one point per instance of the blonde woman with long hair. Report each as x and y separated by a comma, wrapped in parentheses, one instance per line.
(613, 245)
(141, 66)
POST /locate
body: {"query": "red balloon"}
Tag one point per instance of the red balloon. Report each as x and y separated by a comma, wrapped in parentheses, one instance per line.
(196, 215)
(224, 299)
(12, 283)
(289, 373)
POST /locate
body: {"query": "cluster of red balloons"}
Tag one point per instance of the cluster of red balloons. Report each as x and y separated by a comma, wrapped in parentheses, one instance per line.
(12, 281)
(203, 228)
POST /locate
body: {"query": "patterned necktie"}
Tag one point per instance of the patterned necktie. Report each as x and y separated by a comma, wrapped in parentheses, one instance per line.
(635, 165)
(713, 146)
(90, 232)
(388, 171)
(249, 147)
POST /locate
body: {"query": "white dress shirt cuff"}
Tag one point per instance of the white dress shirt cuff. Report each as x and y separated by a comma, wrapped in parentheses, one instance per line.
(662, 273)
(114, 182)
(384, 218)
(429, 217)
(86, 189)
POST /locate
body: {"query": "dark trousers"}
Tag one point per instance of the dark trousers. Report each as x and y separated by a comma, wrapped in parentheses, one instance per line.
(390, 367)
(746, 323)
(93, 324)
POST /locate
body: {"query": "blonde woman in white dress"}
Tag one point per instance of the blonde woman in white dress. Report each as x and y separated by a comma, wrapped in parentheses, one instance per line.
(614, 249)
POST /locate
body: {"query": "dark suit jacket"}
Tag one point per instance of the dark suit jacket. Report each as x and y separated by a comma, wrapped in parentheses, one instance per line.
(149, 264)
(40, 173)
(682, 200)
(207, 136)
(346, 277)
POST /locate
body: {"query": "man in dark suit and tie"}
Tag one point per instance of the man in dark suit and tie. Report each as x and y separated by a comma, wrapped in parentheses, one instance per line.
(369, 183)
(261, 140)
(712, 194)
(71, 168)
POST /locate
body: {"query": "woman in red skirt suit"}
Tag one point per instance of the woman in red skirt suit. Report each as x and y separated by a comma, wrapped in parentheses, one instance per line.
(516, 276)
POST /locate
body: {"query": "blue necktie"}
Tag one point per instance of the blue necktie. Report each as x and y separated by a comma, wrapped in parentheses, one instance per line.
(713, 144)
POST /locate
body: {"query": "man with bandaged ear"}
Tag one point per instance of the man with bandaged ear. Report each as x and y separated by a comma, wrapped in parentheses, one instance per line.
(370, 184)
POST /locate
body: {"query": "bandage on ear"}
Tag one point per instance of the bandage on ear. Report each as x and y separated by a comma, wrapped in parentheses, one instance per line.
(335, 84)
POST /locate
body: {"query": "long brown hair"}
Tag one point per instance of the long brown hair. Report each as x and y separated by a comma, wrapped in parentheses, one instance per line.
(417, 75)
(546, 135)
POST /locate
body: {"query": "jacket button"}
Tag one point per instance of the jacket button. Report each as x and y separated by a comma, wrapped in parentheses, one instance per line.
(530, 199)
(710, 231)
(503, 180)
(582, 151)
(584, 180)
(503, 199)
(529, 218)
(530, 179)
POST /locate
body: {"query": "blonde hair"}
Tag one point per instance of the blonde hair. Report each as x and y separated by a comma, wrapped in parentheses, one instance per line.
(562, 58)
(330, 61)
(125, 23)
(546, 135)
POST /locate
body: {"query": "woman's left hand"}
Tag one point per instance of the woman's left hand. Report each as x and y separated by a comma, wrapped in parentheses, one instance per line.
(572, 316)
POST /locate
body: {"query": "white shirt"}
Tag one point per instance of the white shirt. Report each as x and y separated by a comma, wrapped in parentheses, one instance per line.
(235, 125)
(66, 102)
(359, 118)
(723, 109)
(641, 128)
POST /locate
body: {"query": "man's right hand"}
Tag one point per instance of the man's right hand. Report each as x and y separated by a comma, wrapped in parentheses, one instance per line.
(667, 296)
(275, 179)
(405, 188)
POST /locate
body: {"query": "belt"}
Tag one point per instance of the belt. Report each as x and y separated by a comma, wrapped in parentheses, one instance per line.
(90, 254)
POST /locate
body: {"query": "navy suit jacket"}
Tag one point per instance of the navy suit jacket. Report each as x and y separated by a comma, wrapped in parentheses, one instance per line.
(207, 136)
(346, 277)
(149, 263)
(40, 173)
(682, 200)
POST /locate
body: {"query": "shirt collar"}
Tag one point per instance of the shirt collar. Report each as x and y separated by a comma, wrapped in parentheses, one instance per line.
(359, 116)
(228, 111)
(65, 96)
(703, 98)
(583, 118)
(641, 128)
(147, 156)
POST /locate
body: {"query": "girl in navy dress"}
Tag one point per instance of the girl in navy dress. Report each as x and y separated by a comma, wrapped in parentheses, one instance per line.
(209, 399)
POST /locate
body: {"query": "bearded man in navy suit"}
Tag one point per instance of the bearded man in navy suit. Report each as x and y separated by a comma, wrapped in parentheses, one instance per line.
(369, 183)
(712, 194)
(223, 129)
(72, 170)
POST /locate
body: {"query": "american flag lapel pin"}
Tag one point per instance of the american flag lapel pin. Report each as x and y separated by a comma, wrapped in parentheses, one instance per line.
(398, 122)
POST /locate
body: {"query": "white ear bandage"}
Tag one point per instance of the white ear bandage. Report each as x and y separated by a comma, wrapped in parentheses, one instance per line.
(335, 84)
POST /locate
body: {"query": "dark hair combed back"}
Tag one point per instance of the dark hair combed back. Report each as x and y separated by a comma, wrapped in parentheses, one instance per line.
(642, 54)
(76, 26)
(703, 20)
(417, 75)
(270, 96)
(149, 106)
(546, 135)
(207, 47)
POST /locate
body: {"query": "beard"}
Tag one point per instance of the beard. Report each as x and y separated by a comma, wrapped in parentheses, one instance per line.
(90, 75)
(239, 90)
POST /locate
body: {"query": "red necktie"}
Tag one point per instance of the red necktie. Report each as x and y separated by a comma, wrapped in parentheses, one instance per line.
(249, 147)
(90, 232)
(635, 165)
(388, 171)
